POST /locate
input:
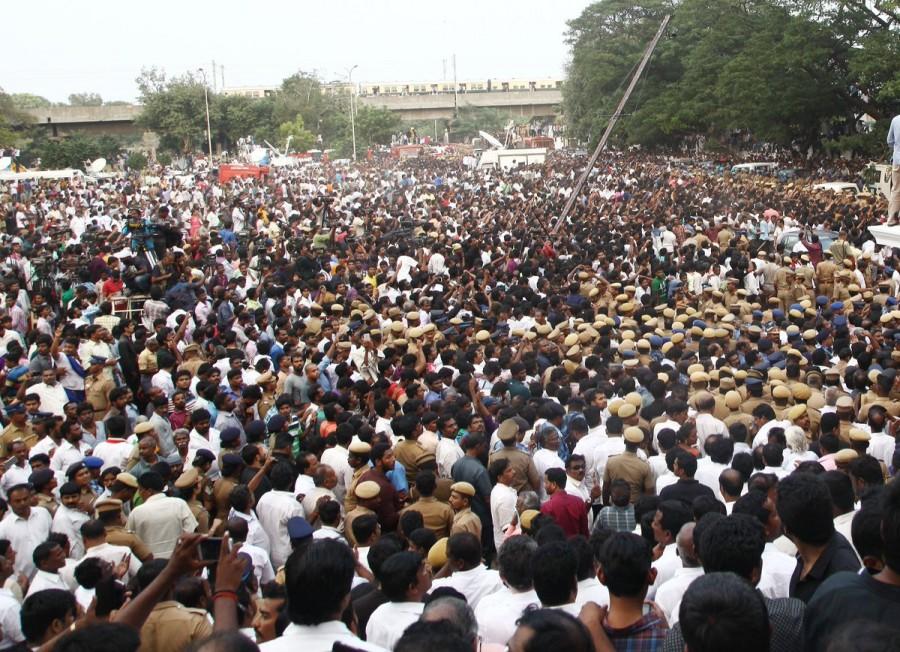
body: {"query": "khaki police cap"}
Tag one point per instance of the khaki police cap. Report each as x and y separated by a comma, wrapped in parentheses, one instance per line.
(464, 488)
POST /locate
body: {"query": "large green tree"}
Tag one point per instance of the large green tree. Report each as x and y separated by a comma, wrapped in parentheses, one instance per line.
(302, 138)
(27, 101)
(14, 122)
(174, 109)
(85, 99)
(786, 71)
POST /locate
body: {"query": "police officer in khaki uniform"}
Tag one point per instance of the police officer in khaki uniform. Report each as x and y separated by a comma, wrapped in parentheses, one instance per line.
(733, 400)
(754, 384)
(231, 467)
(367, 501)
(266, 383)
(188, 483)
(358, 459)
(436, 516)
(784, 282)
(172, 626)
(44, 482)
(525, 475)
(109, 512)
(464, 519)
(825, 273)
(18, 429)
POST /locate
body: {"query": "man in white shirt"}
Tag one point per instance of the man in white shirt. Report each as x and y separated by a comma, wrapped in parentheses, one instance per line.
(20, 471)
(52, 394)
(336, 457)
(503, 499)
(319, 587)
(241, 499)
(69, 518)
(555, 568)
(275, 508)
(719, 451)
(671, 515)
(71, 449)
(24, 526)
(93, 533)
(706, 423)
(10, 610)
(498, 612)
(777, 566)
(669, 594)
(159, 520)
(238, 529)
(468, 574)
(405, 579)
(49, 557)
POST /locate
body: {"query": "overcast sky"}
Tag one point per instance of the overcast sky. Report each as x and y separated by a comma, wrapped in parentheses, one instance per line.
(54, 48)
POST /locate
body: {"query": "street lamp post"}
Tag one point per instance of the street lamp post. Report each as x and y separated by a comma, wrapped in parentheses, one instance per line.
(352, 117)
(206, 102)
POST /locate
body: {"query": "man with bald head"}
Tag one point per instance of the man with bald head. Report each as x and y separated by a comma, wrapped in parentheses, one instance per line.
(731, 485)
(669, 594)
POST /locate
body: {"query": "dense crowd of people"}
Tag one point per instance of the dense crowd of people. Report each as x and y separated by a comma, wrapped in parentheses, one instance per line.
(401, 405)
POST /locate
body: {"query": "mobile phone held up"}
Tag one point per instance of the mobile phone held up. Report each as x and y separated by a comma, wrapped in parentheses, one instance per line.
(210, 549)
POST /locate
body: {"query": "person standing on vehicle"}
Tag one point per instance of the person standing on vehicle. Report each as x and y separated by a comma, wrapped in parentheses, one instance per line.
(893, 141)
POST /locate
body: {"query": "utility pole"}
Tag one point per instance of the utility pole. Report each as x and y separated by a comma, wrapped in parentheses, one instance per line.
(214, 77)
(222, 72)
(206, 101)
(455, 90)
(611, 125)
(352, 117)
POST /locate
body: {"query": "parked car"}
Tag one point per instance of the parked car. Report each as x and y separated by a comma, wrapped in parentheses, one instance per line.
(786, 241)
(837, 186)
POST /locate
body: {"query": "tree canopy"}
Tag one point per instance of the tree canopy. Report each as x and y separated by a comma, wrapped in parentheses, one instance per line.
(85, 99)
(797, 72)
(301, 106)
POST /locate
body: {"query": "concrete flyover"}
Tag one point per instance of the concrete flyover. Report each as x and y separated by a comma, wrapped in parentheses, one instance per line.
(113, 120)
(522, 104)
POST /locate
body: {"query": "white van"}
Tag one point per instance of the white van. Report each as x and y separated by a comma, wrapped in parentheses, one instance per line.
(510, 159)
(767, 169)
(837, 187)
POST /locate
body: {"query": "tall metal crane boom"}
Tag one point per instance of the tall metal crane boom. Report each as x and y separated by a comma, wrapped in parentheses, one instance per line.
(573, 197)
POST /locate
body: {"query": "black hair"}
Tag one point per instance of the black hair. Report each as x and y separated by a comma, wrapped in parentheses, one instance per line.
(721, 611)
(515, 562)
(381, 551)
(804, 506)
(584, 553)
(317, 580)
(89, 572)
(410, 521)
(555, 630)
(557, 476)
(626, 560)
(890, 525)
(555, 567)
(437, 635)
(364, 527)
(464, 547)
(41, 608)
(841, 489)
(398, 573)
(674, 515)
(733, 544)
(865, 531)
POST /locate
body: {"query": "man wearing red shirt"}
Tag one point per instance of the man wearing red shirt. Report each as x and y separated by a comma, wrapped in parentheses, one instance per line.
(569, 512)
